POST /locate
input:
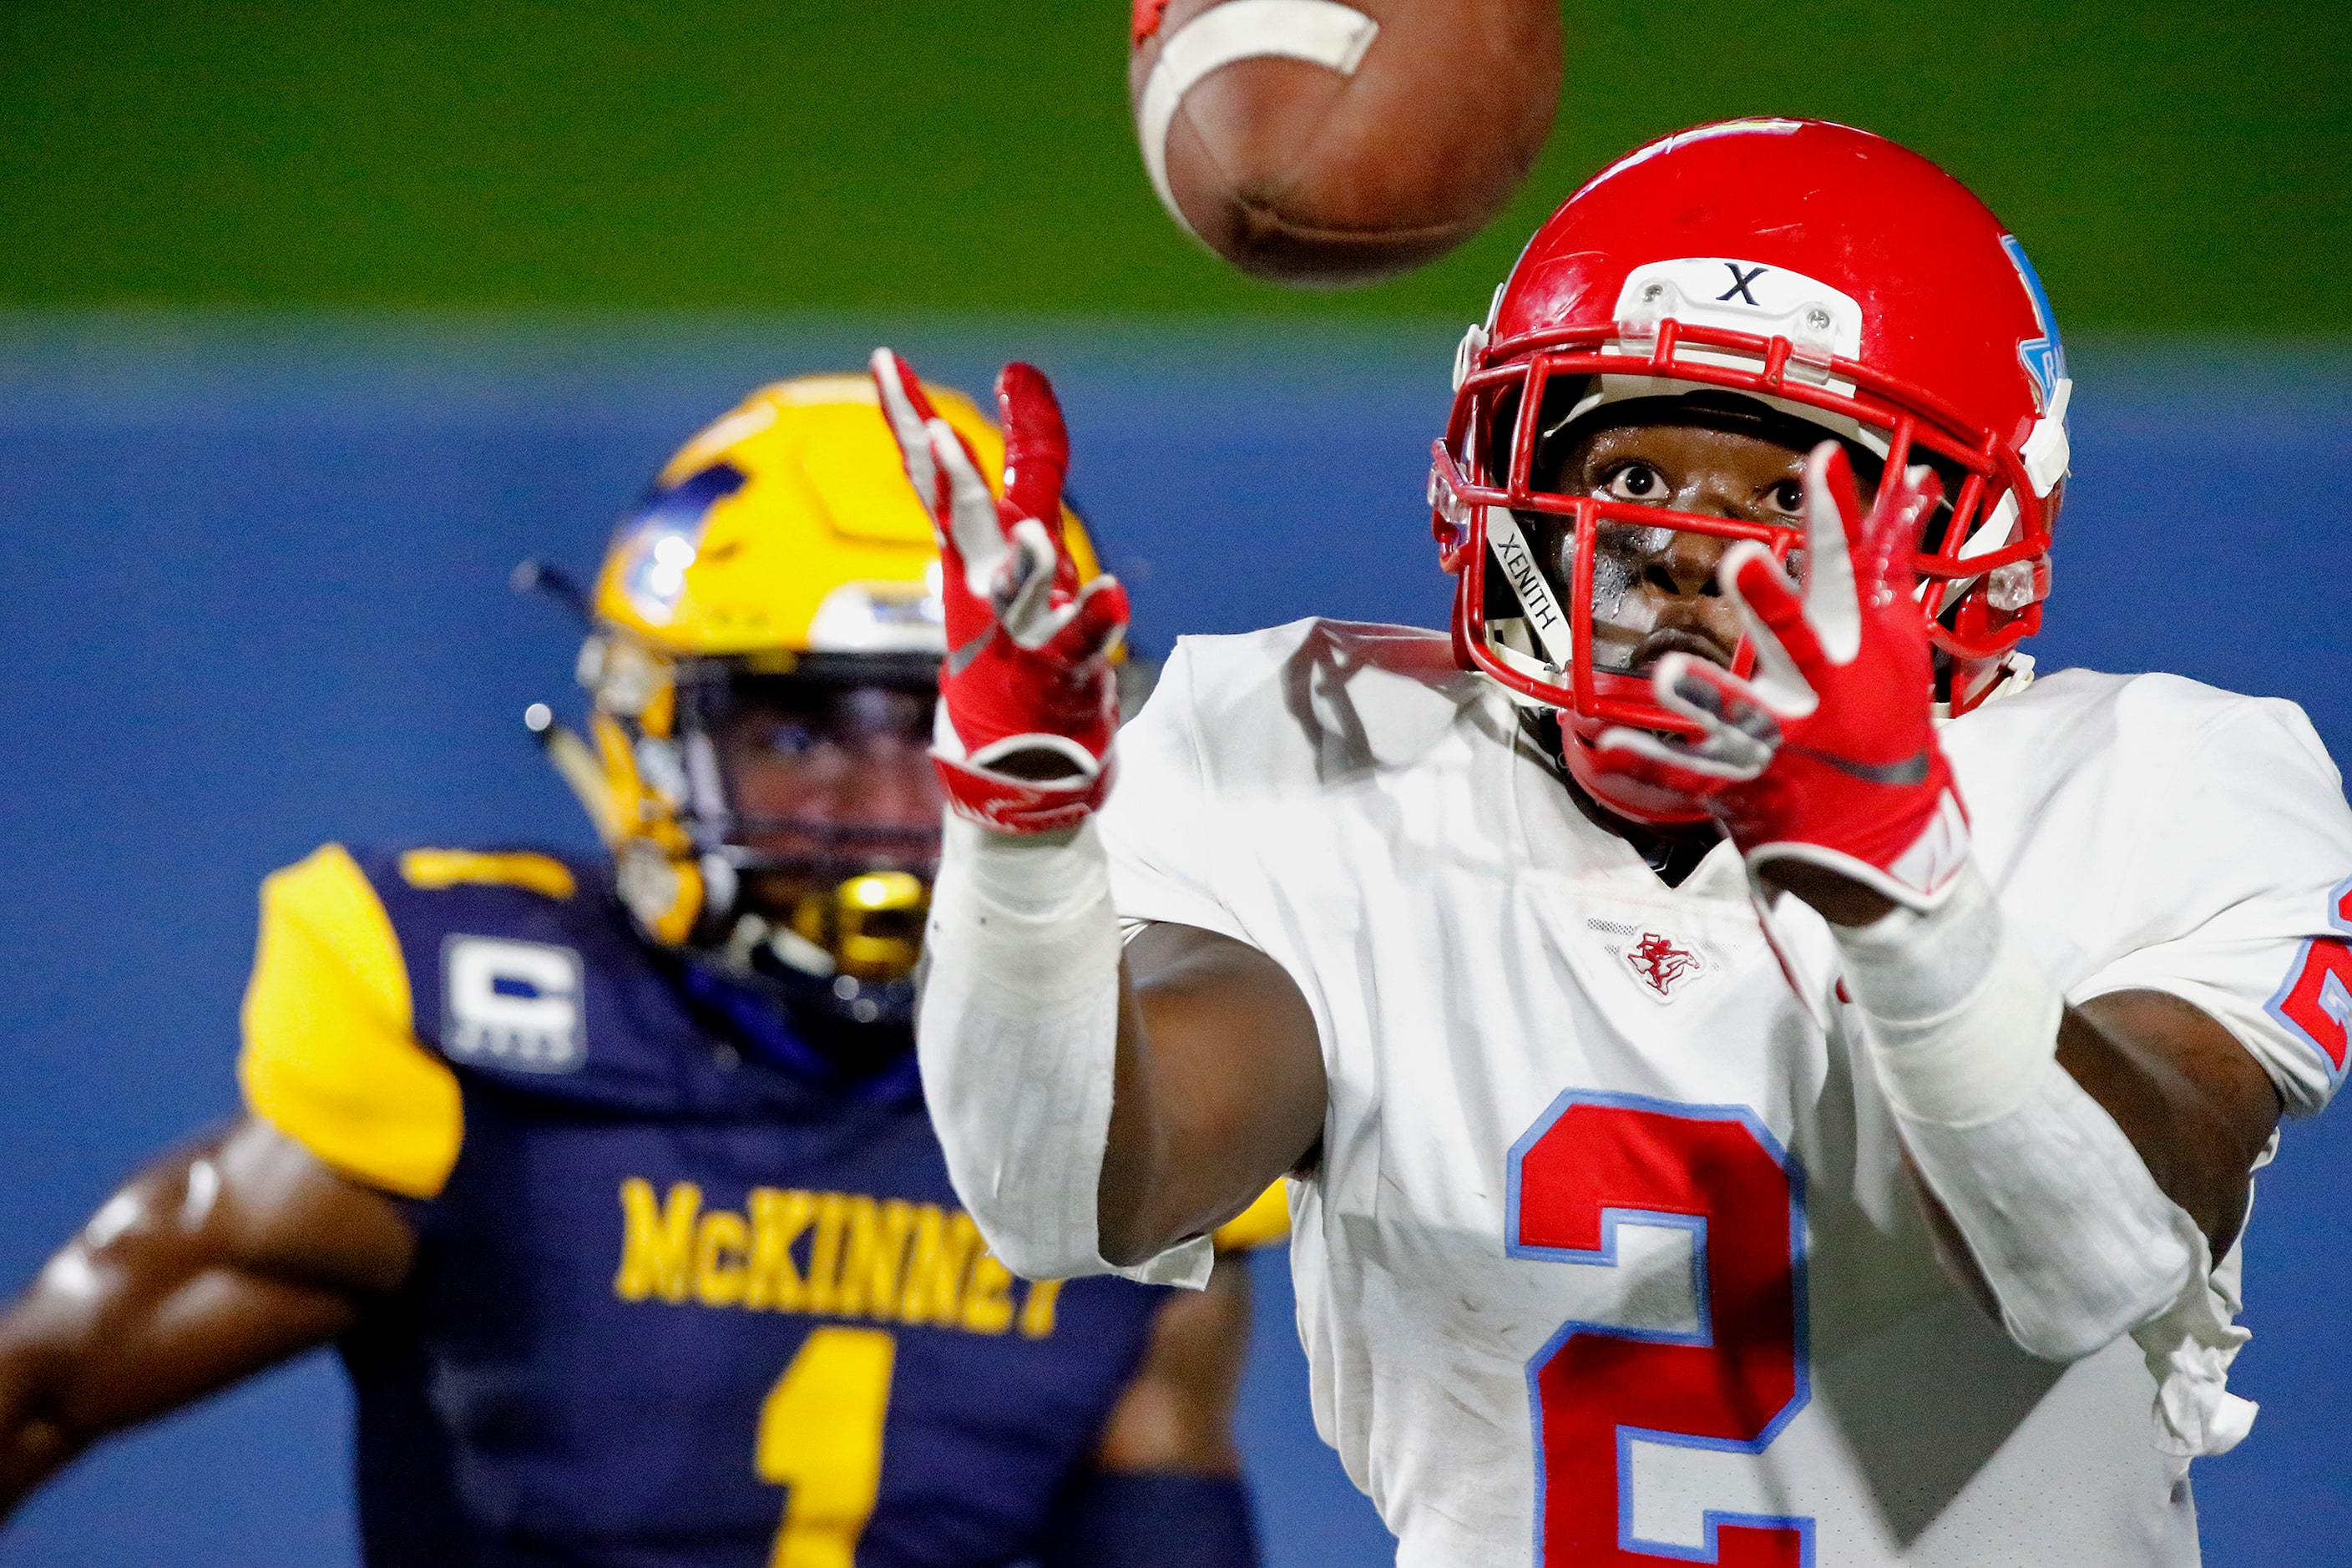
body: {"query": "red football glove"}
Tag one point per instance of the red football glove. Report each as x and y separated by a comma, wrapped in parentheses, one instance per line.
(1828, 755)
(1028, 664)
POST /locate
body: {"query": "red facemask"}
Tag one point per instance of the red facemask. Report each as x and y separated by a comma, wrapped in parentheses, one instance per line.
(1826, 272)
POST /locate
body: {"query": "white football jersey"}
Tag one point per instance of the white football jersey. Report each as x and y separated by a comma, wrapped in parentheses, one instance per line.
(1610, 1256)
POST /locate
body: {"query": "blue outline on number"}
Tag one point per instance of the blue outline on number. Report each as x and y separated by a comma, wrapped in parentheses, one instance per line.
(1606, 1257)
(2341, 1011)
(2339, 906)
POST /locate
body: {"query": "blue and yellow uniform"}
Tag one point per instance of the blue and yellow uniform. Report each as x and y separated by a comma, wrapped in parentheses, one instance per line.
(691, 1288)
(680, 1298)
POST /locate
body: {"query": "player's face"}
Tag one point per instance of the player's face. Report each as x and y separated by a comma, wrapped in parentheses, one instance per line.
(1654, 589)
(825, 773)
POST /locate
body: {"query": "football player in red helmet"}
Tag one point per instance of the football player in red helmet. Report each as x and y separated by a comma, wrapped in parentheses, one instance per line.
(1917, 336)
(1764, 1078)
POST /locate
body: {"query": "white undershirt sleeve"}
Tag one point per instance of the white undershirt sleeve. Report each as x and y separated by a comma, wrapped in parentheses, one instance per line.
(1017, 1032)
(2079, 1244)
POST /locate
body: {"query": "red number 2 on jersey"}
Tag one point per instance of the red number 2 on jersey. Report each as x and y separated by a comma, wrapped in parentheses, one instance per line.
(2316, 1000)
(1591, 1164)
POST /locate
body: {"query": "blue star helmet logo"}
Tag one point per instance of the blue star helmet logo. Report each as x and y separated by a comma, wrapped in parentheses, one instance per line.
(664, 533)
(2044, 357)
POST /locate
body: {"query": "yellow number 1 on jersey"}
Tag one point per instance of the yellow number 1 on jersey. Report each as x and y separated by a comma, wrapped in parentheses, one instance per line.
(821, 1435)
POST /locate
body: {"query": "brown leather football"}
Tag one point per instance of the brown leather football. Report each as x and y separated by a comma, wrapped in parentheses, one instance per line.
(1317, 142)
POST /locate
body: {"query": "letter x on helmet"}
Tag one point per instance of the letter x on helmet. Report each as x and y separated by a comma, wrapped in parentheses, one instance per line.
(1820, 270)
(779, 552)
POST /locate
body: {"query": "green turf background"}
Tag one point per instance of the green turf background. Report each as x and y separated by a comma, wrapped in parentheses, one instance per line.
(2174, 165)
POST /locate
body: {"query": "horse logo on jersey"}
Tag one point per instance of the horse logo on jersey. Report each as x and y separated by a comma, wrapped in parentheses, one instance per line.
(1662, 964)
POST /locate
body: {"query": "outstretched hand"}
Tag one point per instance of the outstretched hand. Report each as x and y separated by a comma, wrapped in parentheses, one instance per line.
(1827, 755)
(1028, 703)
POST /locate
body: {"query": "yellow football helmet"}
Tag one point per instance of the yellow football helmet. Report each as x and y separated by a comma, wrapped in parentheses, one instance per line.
(781, 544)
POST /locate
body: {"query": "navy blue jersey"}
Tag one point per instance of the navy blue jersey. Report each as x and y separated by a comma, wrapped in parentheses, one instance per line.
(673, 1305)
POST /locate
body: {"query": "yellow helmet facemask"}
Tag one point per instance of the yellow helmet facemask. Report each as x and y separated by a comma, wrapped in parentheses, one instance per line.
(779, 563)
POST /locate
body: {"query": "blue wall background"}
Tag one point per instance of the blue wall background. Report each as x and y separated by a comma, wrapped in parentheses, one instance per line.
(256, 598)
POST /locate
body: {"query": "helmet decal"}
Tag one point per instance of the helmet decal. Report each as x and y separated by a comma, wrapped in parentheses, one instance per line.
(663, 536)
(2044, 357)
(1819, 321)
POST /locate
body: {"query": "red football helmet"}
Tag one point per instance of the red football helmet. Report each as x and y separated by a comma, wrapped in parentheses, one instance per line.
(1818, 269)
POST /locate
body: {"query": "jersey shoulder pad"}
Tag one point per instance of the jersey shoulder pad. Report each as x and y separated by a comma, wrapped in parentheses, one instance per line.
(2181, 838)
(2152, 712)
(1313, 703)
(1223, 669)
(329, 1055)
(525, 970)
(2182, 718)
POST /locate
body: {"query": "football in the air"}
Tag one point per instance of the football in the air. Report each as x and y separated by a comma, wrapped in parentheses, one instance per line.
(1316, 142)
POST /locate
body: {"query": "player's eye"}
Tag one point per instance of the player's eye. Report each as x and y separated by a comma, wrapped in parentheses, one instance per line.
(1635, 481)
(1787, 498)
(787, 740)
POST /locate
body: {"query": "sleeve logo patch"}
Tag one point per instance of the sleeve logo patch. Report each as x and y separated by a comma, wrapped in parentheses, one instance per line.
(512, 1005)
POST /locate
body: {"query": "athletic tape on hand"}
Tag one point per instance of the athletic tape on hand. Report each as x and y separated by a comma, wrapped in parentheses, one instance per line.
(1961, 1014)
